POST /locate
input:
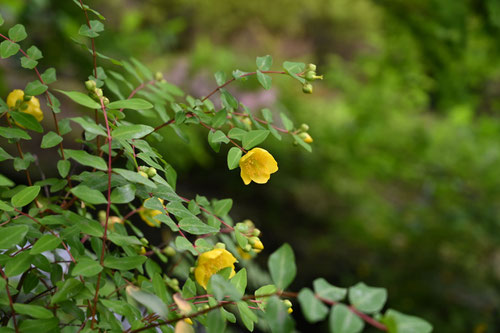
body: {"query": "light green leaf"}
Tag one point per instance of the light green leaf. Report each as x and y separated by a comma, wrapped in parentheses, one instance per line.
(49, 76)
(132, 103)
(313, 309)
(17, 33)
(28, 63)
(239, 280)
(264, 63)
(35, 88)
(4, 155)
(236, 133)
(367, 299)
(8, 49)
(194, 226)
(247, 316)
(264, 80)
(223, 289)
(150, 301)
(233, 158)
(25, 196)
(398, 322)
(66, 289)
(325, 290)
(124, 263)
(294, 68)
(86, 267)
(13, 236)
(39, 325)
(84, 158)
(127, 132)
(277, 316)
(90, 126)
(47, 242)
(63, 167)
(4, 181)
(81, 99)
(93, 30)
(50, 140)
(89, 195)
(182, 244)
(286, 122)
(123, 194)
(342, 320)
(253, 138)
(222, 207)
(5, 207)
(34, 53)
(282, 267)
(35, 311)
(19, 264)
(134, 177)
(14, 133)
(26, 120)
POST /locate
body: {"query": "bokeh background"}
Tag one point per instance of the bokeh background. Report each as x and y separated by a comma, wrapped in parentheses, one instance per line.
(402, 189)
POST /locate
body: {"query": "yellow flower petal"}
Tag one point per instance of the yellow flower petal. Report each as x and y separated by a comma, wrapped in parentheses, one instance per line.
(210, 262)
(147, 215)
(257, 165)
(13, 97)
(32, 107)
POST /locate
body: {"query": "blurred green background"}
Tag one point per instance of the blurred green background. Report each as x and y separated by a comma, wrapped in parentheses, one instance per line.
(402, 189)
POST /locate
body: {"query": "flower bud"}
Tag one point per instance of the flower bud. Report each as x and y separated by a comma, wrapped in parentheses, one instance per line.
(158, 76)
(151, 172)
(142, 173)
(247, 248)
(220, 245)
(144, 241)
(309, 76)
(311, 67)
(98, 92)
(307, 88)
(142, 251)
(169, 251)
(256, 232)
(249, 223)
(90, 85)
(304, 128)
(287, 303)
(306, 137)
(105, 100)
(102, 216)
(252, 240)
(258, 246)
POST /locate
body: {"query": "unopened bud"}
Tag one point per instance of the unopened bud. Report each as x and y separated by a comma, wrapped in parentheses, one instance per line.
(307, 88)
(90, 85)
(306, 137)
(252, 240)
(144, 241)
(169, 251)
(247, 248)
(304, 128)
(142, 173)
(256, 232)
(105, 100)
(151, 172)
(102, 216)
(220, 245)
(158, 76)
(311, 67)
(98, 92)
(287, 303)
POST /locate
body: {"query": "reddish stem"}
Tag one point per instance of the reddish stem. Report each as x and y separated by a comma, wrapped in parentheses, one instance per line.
(11, 303)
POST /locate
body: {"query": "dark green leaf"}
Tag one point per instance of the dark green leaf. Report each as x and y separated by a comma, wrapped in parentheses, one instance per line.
(277, 316)
(14, 133)
(133, 104)
(26, 120)
(4, 155)
(25, 196)
(39, 325)
(35, 311)
(194, 226)
(19, 264)
(127, 132)
(282, 267)
(398, 322)
(86, 159)
(35, 88)
(123, 194)
(89, 195)
(47, 242)
(86, 267)
(50, 140)
(124, 263)
(90, 126)
(13, 236)
(81, 99)
(150, 301)
(66, 290)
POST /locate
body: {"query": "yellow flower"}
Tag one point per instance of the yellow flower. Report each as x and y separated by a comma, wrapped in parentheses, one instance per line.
(243, 254)
(211, 262)
(188, 320)
(290, 310)
(258, 246)
(147, 215)
(257, 165)
(31, 107)
(308, 138)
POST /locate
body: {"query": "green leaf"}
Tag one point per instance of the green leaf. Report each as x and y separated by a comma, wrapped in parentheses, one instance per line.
(134, 177)
(282, 267)
(222, 207)
(66, 290)
(26, 120)
(35, 311)
(264, 80)
(342, 320)
(35, 88)
(325, 290)
(4, 155)
(28, 63)
(233, 158)
(264, 63)
(63, 167)
(93, 30)
(19, 264)
(13, 236)
(4, 181)
(367, 299)
(127, 132)
(277, 316)
(133, 104)
(124, 263)
(286, 122)
(25, 196)
(1, 19)
(194, 226)
(49, 76)
(89, 195)
(301, 142)
(253, 138)
(39, 325)
(50, 140)
(14, 133)
(17, 33)
(8, 49)
(47, 242)
(90, 126)
(150, 301)
(313, 309)
(264, 290)
(216, 322)
(84, 158)
(294, 68)
(236, 133)
(239, 280)
(86, 267)
(122, 240)
(34, 53)
(223, 289)
(182, 244)
(5, 207)
(218, 136)
(247, 316)
(81, 99)
(398, 322)
(123, 194)
(91, 228)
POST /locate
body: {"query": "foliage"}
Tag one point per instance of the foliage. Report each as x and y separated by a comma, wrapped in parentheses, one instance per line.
(73, 261)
